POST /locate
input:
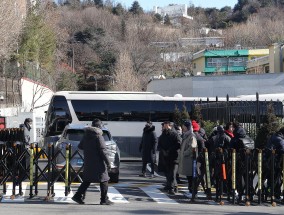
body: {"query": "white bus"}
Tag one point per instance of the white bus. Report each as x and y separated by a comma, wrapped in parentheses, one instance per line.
(124, 113)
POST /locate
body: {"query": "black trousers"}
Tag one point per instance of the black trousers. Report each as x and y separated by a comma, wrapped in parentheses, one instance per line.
(103, 186)
(171, 171)
(144, 167)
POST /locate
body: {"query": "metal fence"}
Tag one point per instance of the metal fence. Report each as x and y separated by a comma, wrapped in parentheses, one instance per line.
(251, 114)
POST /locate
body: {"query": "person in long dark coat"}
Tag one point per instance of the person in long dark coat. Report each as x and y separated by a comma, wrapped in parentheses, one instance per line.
(148, 147)
(96, 163)
(169, 145)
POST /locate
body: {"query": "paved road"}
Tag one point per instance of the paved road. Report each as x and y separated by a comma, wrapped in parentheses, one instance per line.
(132, 195)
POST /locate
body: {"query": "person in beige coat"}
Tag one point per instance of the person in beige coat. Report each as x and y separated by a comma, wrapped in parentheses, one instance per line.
(186, 153)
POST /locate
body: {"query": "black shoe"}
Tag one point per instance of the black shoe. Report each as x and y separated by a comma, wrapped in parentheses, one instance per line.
(78, 199)
(143, 175)
(107, 202)
(166, 188)
(171, 192)
(175, 189)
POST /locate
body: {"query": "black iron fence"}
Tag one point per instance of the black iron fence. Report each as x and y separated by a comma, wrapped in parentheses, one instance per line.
(239, 177)
(251, 114)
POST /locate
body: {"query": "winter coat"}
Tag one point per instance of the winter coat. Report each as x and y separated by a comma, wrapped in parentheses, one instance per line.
(27, 133)
(277, 142)
(200, 142)
(235, 142)
(168, 145)
(185, 157)
(148, 145)
(95, 155)
(220, 140)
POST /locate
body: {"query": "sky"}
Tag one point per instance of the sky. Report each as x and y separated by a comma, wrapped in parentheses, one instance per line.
(149, 4)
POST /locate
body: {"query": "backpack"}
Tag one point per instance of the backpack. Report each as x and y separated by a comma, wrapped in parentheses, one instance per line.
(246, 142)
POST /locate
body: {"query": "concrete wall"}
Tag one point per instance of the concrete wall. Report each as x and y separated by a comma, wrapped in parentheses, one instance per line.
(211, 86)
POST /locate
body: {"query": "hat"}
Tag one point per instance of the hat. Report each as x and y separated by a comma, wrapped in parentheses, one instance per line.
(148, 124)
(27, 120)
(97, 123)
(166, 122)
(187, 124)
(220, 128)
(195, 125)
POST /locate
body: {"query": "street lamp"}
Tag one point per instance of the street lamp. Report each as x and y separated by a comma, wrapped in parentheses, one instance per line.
(2, 98)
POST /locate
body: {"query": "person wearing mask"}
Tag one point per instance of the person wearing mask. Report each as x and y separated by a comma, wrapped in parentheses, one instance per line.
(96, 163)
(169, 146)
(186, 153)
(148, 148)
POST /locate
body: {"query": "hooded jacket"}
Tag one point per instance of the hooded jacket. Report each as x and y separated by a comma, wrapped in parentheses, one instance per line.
(95, 155)
(148, 144)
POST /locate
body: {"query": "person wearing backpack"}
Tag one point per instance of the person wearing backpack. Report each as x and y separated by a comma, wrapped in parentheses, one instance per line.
(240, 140)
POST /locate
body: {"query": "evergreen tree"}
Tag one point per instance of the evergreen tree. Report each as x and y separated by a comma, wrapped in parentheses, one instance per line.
(38, 42)
(99, 3)
(157, 17)
(167, 20)
(184, 113)
(177, 119)
(118, 10)
(136, 9)
(270, 126)
(196, 114)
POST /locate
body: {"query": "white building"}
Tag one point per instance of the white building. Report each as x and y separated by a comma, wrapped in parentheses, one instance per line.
(35, 100)
(173, 11)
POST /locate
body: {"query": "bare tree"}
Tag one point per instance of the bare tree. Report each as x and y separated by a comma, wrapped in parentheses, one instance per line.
(11, 20)
(125, 78)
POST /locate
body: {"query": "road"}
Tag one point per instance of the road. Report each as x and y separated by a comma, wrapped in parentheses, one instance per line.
(132, 195)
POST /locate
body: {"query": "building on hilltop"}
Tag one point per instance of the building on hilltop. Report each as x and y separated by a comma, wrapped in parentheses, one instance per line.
(176, 12)
(226, 61)
(272, 62)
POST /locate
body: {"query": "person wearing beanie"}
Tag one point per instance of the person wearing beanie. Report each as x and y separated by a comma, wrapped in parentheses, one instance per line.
(199, 138)
(96, 163)
(148, 148)
(186, 152)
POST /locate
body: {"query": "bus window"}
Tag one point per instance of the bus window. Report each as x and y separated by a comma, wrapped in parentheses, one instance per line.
(87, 110)
(128, 110)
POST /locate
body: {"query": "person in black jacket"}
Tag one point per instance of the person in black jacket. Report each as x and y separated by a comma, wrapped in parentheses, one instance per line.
(96, 163)
(169, 146)
(148, 148)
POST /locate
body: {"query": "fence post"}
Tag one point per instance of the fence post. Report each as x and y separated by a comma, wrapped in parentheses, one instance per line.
(31, 169)
(272, 178)
(247, 163)
(194, 175)
(48, 170)
(257, 112)
(259, 173)
(234, 175)
(67, 169)
(208, 180)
